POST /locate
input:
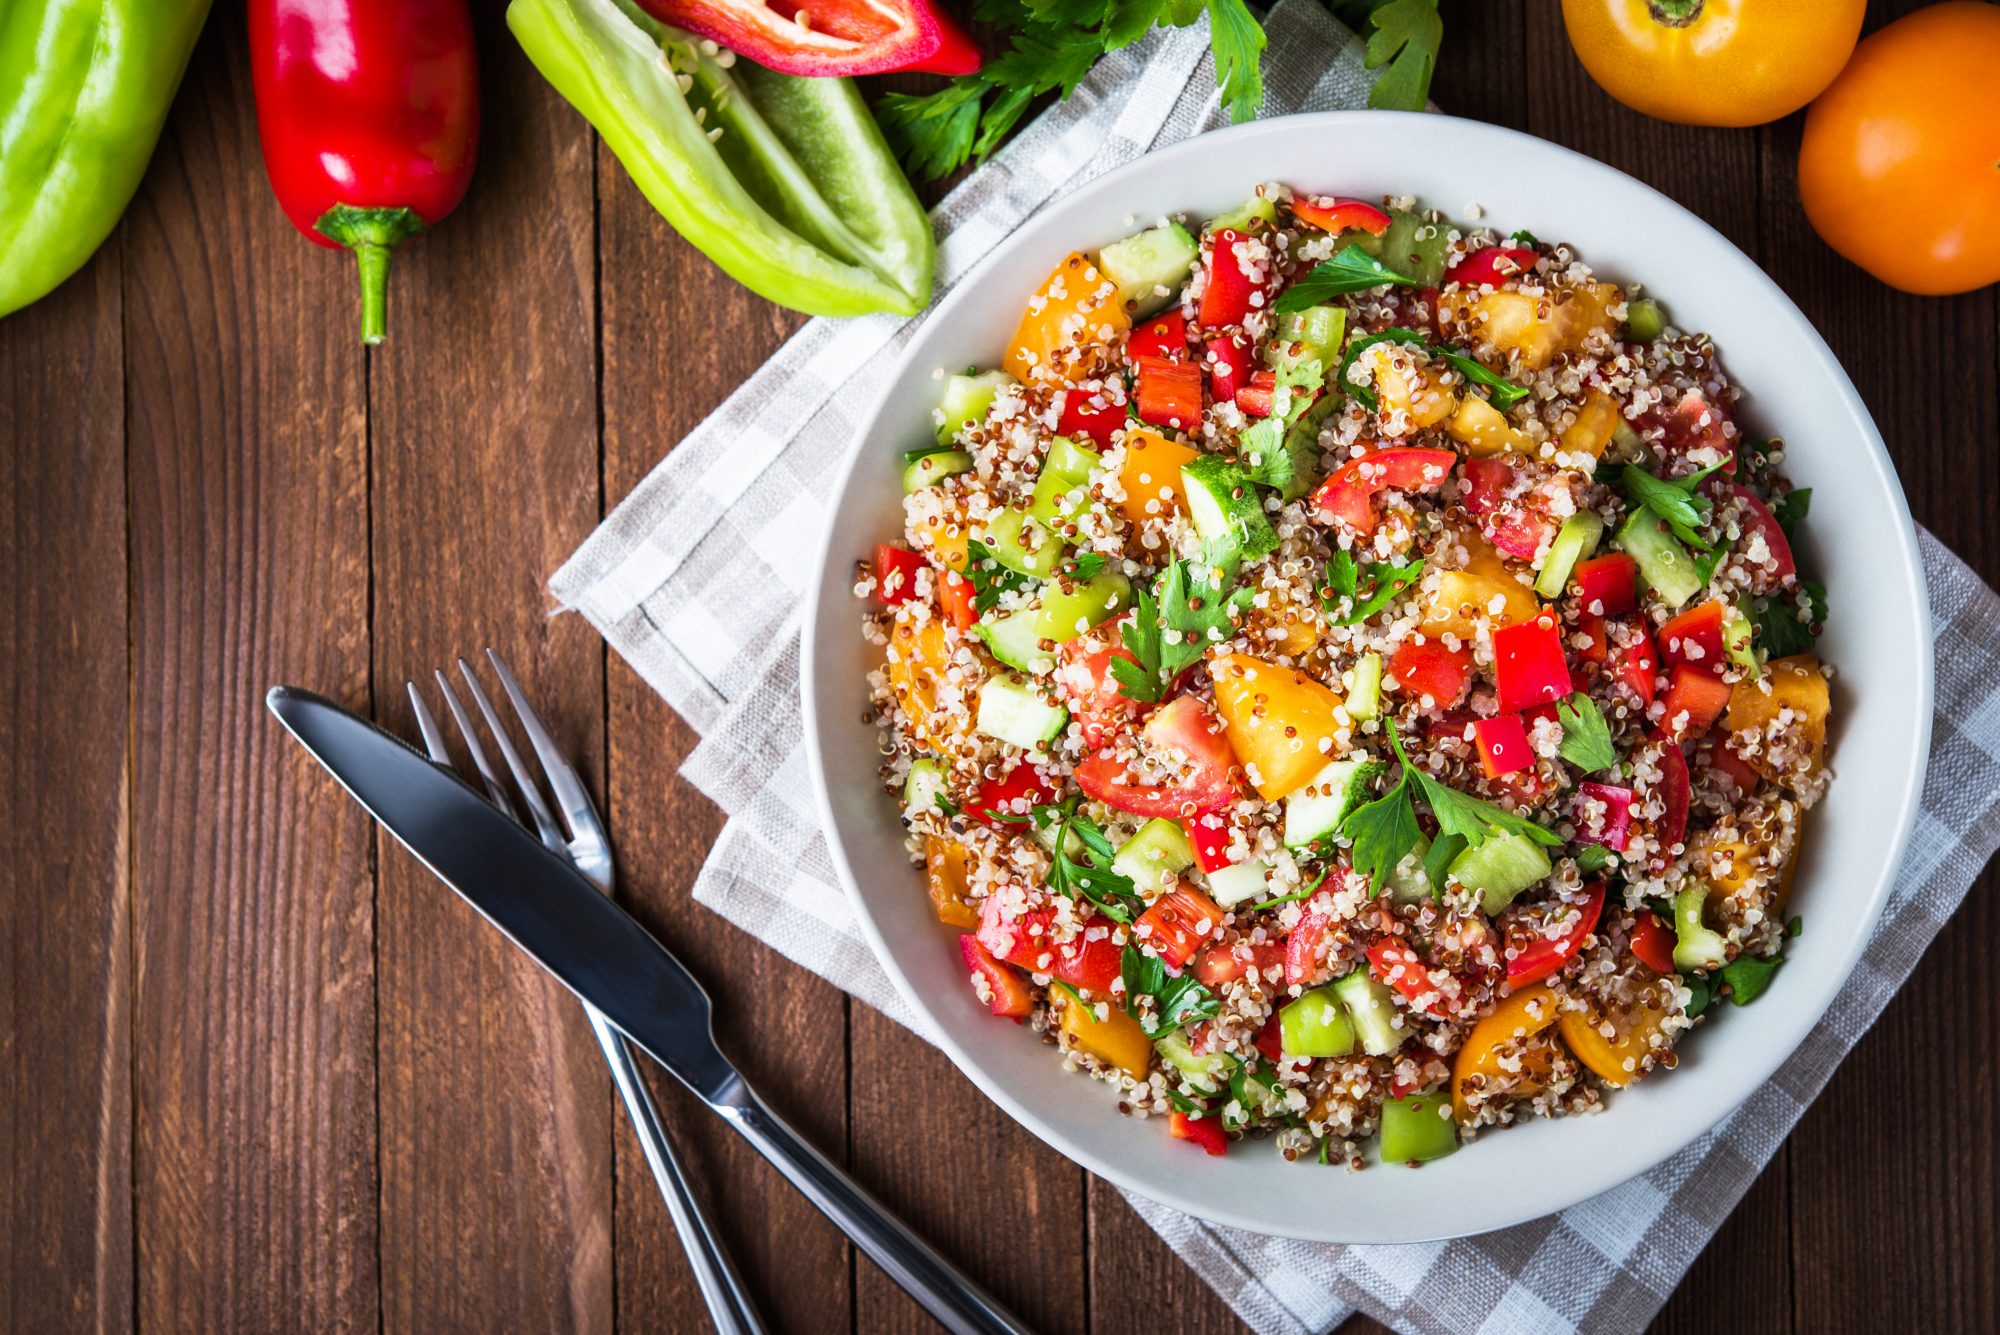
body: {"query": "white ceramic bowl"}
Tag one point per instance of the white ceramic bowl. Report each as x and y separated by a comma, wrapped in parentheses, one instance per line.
(1860, 542)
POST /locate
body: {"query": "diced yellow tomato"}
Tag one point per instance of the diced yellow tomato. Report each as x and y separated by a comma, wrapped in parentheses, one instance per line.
(1634, 1032)
(1518, 1015)
(1405, 384)
(917, 659)
(1794, 684)
(946, 537)
(1117, 1038)
(1596, 422)
(1484, 429)
(1075, 311)
(944, 876)
(1534, 328)
(1484, 590)
(1732, 860)
(1282, 725)
(1151, 474)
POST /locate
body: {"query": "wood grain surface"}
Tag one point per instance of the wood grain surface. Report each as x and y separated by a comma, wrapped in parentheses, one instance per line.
(261, 1073)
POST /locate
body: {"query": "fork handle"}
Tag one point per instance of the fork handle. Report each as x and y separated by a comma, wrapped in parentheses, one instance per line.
(729, 1304)
(939, 1287)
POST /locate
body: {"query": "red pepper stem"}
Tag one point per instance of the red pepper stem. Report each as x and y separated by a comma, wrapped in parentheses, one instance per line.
(372, 234)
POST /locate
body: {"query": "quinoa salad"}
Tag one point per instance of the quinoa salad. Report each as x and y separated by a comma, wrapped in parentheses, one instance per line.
(1346, 679)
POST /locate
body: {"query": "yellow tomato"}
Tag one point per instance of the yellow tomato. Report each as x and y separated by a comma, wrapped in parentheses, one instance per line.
(1152, 474)
(1283, 725)
(944, 877)
(1517, 1016)
(1632, 1038)
(1713, 62)
(1900, 165)
(1075, 311)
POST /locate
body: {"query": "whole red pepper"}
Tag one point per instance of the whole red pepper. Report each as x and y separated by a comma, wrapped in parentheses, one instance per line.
(369, 115)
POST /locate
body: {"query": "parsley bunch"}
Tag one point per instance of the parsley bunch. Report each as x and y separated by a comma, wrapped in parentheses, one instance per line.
(1177, 998)
(1341, 598)
(1196, 607)
(1090, 878)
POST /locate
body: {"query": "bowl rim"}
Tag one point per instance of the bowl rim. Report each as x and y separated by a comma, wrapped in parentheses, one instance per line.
(1806, 1012)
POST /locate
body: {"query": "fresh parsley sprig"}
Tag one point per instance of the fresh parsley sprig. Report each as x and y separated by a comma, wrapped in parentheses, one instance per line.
(1403, 45)
(1352, 270)
(1503, 392)
(988, 577)
(1197, 608)
(1177, 998)
(1586, 740)
(1790, 510)
(1262, 445)
(1340, 596)
(1780, 628)
(1675, 501)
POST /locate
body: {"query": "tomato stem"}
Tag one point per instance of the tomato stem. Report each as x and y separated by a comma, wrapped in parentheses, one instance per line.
(372, 235)
(1675, 13)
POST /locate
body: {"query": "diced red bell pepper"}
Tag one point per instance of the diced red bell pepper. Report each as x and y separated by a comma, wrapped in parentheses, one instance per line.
(1302, 947)
(1609, 827)
(1432, 669)
(1270, 1040)
(1084, 681)
(1596, 647)
(1724, 761)
(1226, 961)
(846, 37)
(1529, 667)
(1206, 1132)
(1695, 636)
(1257, 397)
(1081, 417)
(1209, 835)
(1607, 585)
(1022, 788)
(1492, 266)
(1184, 726)
(1177, 924)
(1696, 698)
(1226, 299)
(1393, 962)
(1228, 366)
(1169, 393)
(1161, 336)
(955, 596)
(1007, 988)
(1757, 518)
(1339, 215)
(1677, 793)
(1653, 942)
(1348, 495)
(896, 574)
(1541, 956)
(1503, 745)
(1637, 664)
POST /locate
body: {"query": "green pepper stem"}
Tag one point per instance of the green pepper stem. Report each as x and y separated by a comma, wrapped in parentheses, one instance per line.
(374, 291)
(1675, 13)
(371, 234)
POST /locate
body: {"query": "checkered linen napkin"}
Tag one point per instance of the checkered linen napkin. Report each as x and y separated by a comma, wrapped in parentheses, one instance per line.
(695, 580)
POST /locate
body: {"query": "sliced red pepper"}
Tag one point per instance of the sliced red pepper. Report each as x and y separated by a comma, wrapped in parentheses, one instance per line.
(1757, 518)
(1653, 942)
(1529, 667)
(1677, 793)
(1080, 416)
(1084, 680)
(845, 37)
(1607, 585)
(1432, 669)
(1255, 398)
(1184, 726)
(1302, 947)
(1541, 957)
(1270, 1040)
(1724, 761)
(1169, 393)
(1695, 636)
(1503, 745)
(1206, 1132)
(1022, 788)
(1696, 698)
(1393, 962)
(896, 574)
(1340, 215)
(1610, 827)
(1007, 988)
(1229, 367)
(1177, 924)
(1492, 266)
(1161, 336)
(1209, 835)
(1226, 961)
(1226, 299)
(955, 597)
(1596, 647)
(1348, 495)
(1637, 665)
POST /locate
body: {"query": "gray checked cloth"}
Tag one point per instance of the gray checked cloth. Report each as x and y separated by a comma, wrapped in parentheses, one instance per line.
(667, 582)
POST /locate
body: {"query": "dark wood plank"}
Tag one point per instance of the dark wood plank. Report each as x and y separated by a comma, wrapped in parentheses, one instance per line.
(786, 1028)
(1138, 1286)
(253, 885)
(65, 898)
(496, 1150)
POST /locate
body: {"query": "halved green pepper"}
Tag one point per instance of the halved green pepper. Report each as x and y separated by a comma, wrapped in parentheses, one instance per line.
(797, 198)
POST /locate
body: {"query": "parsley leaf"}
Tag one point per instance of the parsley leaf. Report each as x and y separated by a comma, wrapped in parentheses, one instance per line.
(988, 577)
(1779, 631)
(1237, 40)
(1178, 998)
(1790, 510)
(1190, 605)
(1352, 270)
(1088, 564)
(1674, 500)
(1503, 392)
(1586, 741)
(1444, 851)
(1142, 681)
(1341, 597)
(1406, 39)
(1593, 859)
(1748, 977)
(1382, 833)
(1263, 449)
(1092, 878)
(1362, 394)
(1459, 814)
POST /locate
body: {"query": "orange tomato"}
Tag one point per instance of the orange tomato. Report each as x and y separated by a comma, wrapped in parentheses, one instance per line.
(1713, 62)
(1900, 166)
(1517, 1016)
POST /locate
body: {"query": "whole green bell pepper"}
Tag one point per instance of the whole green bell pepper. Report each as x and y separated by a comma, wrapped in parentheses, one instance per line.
(84, 89)
(798, 198)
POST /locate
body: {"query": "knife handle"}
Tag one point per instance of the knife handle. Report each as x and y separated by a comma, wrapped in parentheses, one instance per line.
(939, 1287)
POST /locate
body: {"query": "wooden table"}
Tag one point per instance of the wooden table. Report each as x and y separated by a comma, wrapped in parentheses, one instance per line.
(260, 1073)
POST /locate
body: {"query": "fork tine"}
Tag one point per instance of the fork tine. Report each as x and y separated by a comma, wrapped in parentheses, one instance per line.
(495, 790)
(428, 725)
(571, 796)
(545, 820)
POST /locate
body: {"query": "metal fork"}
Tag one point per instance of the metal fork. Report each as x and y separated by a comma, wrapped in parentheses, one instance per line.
(581, 838)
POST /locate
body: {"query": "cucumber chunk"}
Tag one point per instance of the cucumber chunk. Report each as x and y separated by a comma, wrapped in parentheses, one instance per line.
(1664, 564)
(924, 786)
(1022, 545)
(1736, 637)
(1206, 1073)
(1500, 868)
(1063, 613)
(1315, 811)
(1315, 1025)
(1013, 640)
(1235, 885)
(1255, 213)
(1062, 487)
(1417, 248)
(1644, 320)
(927, 470)
(1012, 711)
(1370, 1007)
(1696, 945)
(1148, 269)
(1227, 510)
(1312, 334)
(1418, 1128)
(1364, 688)
(967, 399)
(1157, 852)
(1577, 539)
